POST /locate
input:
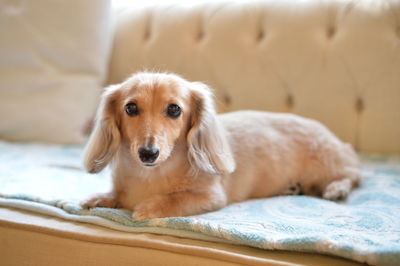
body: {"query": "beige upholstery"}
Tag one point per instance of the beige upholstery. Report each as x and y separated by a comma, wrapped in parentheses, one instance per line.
(335, 61)
(44, 240)
(52, 65)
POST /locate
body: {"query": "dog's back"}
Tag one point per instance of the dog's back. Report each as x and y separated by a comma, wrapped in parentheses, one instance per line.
(274, 151)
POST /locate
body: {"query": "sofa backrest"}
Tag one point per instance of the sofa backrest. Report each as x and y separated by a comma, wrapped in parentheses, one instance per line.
(334, 61)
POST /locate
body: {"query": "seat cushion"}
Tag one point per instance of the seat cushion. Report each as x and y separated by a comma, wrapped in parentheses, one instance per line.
(45, 240)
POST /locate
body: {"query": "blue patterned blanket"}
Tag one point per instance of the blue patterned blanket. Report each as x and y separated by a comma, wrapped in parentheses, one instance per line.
(366, 228)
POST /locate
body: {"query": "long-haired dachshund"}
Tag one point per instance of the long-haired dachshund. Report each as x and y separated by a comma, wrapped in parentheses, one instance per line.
(172, 155)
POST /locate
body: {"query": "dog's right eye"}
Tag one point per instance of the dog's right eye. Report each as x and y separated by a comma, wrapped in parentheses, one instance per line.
(131, 109)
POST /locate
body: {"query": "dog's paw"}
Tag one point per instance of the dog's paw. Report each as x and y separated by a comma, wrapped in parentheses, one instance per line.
(155, 207)
(100, 200)
(337, 190)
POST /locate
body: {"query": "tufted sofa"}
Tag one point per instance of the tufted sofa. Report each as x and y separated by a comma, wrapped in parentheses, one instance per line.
(336, 61)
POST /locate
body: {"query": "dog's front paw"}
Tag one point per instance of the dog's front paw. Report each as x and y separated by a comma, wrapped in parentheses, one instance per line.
(107, 200)
(156, 207)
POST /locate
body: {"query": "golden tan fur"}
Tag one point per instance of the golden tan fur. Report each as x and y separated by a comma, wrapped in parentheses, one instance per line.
(207, 161)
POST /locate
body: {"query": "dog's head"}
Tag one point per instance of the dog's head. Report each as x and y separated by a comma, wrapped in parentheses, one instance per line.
(150, 116)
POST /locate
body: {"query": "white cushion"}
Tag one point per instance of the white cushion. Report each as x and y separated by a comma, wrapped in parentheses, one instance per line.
(53, 57)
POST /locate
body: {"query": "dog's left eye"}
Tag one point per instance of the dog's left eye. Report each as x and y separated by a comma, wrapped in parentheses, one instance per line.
(173, 110)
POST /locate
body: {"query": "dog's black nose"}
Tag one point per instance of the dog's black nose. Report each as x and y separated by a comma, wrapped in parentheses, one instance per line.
(148, 154)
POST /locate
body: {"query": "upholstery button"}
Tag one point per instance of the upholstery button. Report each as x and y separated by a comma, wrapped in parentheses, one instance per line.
(290, 101)
(227, 100)
(200, 35)
(330, 33)
(360, 105)
(260, 36)
(146, 35)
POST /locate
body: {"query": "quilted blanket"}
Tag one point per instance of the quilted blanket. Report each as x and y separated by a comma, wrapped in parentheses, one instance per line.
(49, 179)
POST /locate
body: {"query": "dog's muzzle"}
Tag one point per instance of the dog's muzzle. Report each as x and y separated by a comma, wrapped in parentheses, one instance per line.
(148, 154)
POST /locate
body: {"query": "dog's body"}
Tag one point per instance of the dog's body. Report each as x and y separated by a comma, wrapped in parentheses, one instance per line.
(176, 161)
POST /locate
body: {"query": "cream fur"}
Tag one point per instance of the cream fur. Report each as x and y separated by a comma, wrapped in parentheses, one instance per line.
(207, 161)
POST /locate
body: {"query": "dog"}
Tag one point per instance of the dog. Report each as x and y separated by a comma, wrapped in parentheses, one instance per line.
(172, 155)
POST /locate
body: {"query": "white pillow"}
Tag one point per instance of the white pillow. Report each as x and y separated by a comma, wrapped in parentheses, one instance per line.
(53, 58)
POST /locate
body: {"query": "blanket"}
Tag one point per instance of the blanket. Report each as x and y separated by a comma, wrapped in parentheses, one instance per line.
(49, 179)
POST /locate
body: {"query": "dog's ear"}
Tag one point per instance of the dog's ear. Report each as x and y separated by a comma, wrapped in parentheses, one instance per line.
(105, 137)
(209, 149)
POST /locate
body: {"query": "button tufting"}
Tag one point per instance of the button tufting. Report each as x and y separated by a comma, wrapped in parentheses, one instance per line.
(330, 33)
(146, 35)
(147, 30)
(290, 101)
(227, 100)
(260, 35)
(360, 105)
(200, 35)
